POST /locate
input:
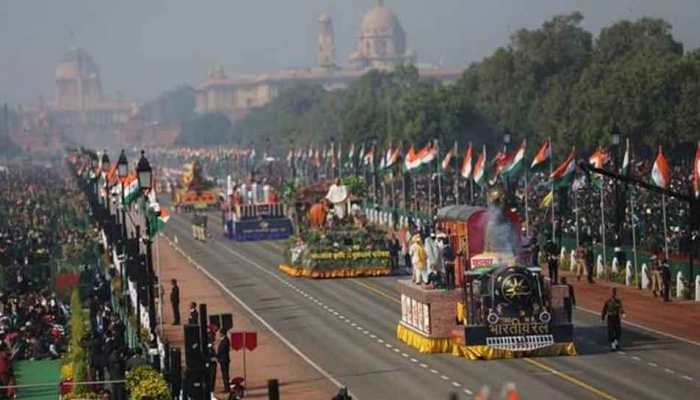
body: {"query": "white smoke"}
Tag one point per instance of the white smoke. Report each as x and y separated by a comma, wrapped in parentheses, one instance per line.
(500, 236)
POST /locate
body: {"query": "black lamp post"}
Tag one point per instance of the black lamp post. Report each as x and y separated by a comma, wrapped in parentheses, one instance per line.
(616, 148)
(144, 175)
(122, 173)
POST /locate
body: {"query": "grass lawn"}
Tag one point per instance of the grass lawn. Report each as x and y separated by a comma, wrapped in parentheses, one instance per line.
(35, 372)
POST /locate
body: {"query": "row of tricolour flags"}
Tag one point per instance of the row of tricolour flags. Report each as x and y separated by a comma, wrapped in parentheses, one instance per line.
(127, 191)
(473, 163)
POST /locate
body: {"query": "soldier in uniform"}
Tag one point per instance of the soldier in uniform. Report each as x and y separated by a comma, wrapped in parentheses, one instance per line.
(613, 311)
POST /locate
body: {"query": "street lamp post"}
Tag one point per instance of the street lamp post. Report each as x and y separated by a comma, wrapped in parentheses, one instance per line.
(616, 140)
(122, 173)
(145, 180)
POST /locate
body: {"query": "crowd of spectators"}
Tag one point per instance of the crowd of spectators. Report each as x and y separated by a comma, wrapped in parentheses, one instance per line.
(44, 220)
(584, 200)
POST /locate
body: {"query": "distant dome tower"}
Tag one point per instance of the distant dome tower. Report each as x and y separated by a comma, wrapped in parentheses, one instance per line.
(78, 84)
(381, 42)
(326, 42)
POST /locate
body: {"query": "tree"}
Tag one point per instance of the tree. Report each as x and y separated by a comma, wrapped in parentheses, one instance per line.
(206, 130)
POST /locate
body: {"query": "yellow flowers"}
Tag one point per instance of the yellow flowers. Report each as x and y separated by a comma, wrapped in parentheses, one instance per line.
(147, 382)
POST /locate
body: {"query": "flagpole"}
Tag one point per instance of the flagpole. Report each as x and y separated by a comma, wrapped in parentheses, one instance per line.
(551, 182)
(663, 209)
(527, 208)
(455, 176)
(634, 238)
(403, 179)
(602, 217)
(576, 214)
(439, 176)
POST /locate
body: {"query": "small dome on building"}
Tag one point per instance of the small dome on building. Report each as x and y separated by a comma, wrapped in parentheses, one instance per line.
(381, 41)
(77, 63)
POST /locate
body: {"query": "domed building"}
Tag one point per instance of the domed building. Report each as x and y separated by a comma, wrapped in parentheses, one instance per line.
(81, 111)
(78, 82)
(381, 42)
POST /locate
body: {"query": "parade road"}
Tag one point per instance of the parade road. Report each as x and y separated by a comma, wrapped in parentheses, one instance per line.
(346, 329)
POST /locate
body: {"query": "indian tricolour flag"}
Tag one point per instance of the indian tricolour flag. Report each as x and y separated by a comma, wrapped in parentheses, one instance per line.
(466, 170)
(599, 158)
(131, 188)
(429, 153)
(478, 174)
(563, 176)
(542, 158)
(661, 173)
(413, 160)
(515, 161)
(626, 160)
(368, 158)
(157, 218)
(392, 157)
(447, 160)
(696, 172)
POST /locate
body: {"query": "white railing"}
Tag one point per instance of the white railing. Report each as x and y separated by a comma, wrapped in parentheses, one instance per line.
(520, 343)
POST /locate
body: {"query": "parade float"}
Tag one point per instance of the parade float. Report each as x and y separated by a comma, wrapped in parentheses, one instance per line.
(252, 212)
(335, 240)
(502, 307)
(193, 191)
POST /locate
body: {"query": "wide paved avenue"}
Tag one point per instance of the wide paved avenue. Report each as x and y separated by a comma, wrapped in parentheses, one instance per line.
(348, 326)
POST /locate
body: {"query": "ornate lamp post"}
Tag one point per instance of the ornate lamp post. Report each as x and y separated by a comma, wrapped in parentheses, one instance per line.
(122, 173)
(144, 175)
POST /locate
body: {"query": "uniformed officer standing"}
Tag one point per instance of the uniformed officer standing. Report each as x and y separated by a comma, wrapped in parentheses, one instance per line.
(613, 311)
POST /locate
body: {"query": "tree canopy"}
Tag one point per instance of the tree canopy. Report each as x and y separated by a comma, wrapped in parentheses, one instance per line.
(557, 81)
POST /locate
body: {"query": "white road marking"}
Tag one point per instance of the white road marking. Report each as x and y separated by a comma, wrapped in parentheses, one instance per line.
(260, 319)
(670, 371)
(635, 358)
(347, 320)
(687, 378)
(651, 364)
(423, 365)
(444, 377)
(469, 392)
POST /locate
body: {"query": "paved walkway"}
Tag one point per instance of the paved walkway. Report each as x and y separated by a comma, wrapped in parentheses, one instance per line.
(38, 372)
(678, 318)
(271, 360)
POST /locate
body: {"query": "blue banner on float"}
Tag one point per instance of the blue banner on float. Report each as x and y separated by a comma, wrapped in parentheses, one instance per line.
(259, 229)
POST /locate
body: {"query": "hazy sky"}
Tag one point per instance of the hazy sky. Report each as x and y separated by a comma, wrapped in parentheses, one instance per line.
(146, 46)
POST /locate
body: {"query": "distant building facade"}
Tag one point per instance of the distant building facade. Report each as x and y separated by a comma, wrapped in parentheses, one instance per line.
(381, 44)
(80, 110)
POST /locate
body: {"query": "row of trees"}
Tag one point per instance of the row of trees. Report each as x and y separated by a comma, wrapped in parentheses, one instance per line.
(556, 81)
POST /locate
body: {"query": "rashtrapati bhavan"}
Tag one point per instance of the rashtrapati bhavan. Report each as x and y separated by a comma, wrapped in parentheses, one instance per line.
(381, 44)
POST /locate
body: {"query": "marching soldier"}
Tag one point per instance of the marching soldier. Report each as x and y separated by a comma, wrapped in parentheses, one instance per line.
(613, 311)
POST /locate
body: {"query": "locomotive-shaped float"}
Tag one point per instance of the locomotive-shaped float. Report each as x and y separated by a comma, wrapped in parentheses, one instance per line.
(502, 307)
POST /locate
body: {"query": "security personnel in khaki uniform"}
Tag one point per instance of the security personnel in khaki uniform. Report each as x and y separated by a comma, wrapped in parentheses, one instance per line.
(614, 311)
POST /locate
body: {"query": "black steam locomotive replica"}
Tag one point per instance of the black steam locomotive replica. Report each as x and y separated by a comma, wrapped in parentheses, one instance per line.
(511, 308)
